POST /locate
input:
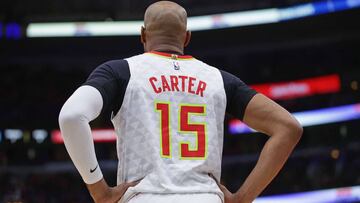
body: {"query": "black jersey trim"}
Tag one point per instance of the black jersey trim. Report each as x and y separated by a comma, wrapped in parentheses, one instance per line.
(238, 95)
(111, 80)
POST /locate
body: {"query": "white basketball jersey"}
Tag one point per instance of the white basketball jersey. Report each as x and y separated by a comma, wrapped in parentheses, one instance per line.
(170, 125)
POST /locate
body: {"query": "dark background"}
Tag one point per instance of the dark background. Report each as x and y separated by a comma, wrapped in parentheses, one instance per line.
(38, 75)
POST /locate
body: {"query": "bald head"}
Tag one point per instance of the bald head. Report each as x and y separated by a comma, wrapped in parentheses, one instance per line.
(165, 23)
(164, 14)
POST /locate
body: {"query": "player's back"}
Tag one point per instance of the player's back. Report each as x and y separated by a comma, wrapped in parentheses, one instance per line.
(170, 125)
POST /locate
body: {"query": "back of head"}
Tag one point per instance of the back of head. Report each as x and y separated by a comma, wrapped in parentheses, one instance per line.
(165, 24)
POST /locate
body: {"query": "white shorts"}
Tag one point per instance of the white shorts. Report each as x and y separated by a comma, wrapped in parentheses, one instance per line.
(176, 198)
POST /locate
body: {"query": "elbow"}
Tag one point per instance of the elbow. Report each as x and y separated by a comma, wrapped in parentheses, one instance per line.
(65, 118)
(288, 130)
(68, 118)
(295, 130)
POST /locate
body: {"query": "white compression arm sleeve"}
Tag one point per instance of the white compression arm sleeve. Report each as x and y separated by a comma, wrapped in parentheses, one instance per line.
(81, 108)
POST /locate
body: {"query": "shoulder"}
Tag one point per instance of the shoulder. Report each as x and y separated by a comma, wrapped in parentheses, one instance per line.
(115, 64)
(110, 79)
(229, 78)
(116, 68)
(137, 58)
(108, 72)
(207, 67)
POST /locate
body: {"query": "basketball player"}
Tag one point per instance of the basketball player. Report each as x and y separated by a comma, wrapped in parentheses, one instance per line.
(168, 113)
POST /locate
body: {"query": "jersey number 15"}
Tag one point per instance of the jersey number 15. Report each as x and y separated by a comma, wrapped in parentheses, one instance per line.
(185, 126)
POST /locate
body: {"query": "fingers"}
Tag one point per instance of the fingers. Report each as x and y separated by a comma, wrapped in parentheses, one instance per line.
(227, 194)
(132, 184)
(119, 191)
(213, 177)
(222, 187)
(125, 186)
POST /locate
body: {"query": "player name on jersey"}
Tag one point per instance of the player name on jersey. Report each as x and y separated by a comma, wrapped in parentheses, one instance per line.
(178, 83)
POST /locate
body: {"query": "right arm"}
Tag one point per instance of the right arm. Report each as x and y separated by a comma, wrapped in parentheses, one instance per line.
(263, 115)
(284, 130)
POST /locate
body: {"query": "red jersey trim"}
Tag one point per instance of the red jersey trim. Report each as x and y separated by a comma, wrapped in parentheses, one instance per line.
(171, 56)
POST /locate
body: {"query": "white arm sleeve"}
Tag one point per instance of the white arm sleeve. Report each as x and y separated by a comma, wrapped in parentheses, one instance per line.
(81, 108)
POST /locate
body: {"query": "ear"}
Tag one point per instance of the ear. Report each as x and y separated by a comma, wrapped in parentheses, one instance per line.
(143, 35)
(187, 38)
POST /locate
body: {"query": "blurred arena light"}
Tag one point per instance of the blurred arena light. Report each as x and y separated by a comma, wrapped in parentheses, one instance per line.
(197, 23)
(346, 194)
(103, 135)
(40, 135)
(354, 85)
(310, 118)
(10, 30)
(300, 88)
(13, 135)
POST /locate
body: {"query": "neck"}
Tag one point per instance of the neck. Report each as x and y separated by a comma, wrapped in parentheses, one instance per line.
(168, 51)
(162, 47)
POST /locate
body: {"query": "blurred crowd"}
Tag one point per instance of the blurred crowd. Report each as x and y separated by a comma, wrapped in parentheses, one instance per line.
(42, 188)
